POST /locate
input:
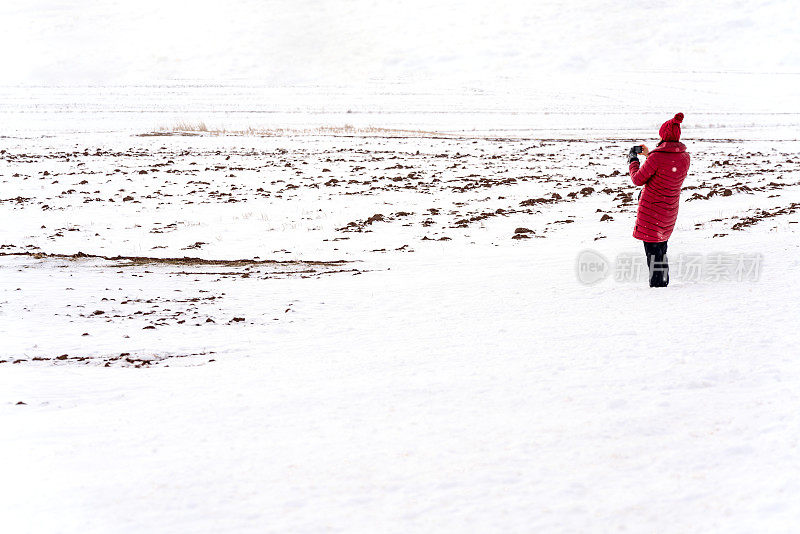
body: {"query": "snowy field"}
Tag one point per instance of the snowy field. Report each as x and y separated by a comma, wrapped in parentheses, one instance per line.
(383, 330)
(358, 266)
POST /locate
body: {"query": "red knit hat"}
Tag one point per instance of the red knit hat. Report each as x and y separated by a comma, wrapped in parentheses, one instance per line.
(671, 130)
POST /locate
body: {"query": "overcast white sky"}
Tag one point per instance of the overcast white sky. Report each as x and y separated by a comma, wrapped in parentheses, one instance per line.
(349, 42)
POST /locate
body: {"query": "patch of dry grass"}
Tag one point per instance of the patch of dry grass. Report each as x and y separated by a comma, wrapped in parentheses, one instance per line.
(189, 128)
(127, 261)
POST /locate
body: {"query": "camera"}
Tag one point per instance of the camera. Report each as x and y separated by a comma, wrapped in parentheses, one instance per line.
(637, 149)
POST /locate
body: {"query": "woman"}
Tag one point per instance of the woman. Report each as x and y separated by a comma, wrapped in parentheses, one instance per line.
(662, 175)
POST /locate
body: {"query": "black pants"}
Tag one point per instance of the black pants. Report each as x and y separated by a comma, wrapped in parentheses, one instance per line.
(657, 263)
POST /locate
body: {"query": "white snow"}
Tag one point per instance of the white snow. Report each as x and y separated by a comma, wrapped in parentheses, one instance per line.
(470, 384)
(421, 371)
(468, 391)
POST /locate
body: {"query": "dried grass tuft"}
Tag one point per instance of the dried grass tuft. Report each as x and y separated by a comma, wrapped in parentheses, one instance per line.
(191, 128)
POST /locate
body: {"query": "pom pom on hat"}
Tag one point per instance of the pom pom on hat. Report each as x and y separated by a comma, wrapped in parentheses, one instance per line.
(671, 130)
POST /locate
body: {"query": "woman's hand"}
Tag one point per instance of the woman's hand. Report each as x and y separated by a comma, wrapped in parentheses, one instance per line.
(645, 152)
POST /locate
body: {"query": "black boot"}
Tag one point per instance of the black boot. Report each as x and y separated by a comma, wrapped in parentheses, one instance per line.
(657, 265)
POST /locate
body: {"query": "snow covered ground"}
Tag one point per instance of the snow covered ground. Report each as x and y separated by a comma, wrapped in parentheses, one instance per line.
(440, 367)
(375, 312)
(470, 392)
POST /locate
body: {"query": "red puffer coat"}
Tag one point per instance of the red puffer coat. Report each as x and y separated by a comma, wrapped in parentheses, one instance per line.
(662, 176)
